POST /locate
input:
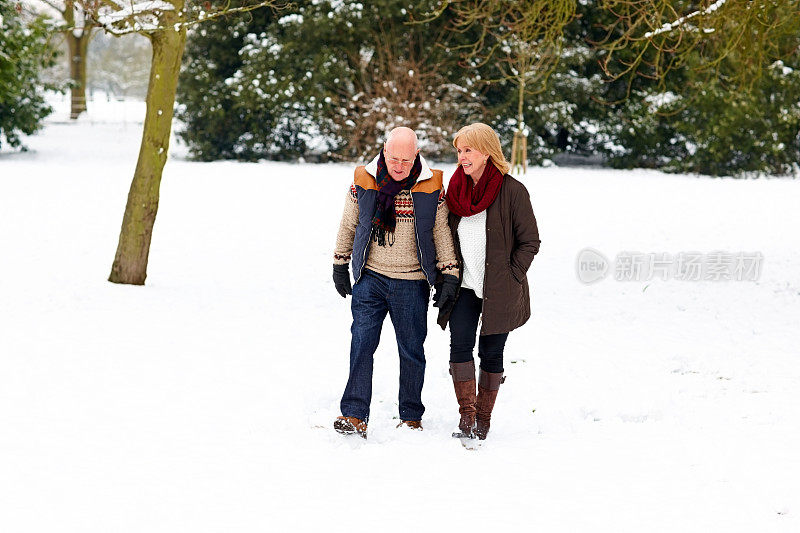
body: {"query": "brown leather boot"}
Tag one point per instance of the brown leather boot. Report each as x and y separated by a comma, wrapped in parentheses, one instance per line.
(488, 384)
(464, 384)
(413, 424)
(349, 425)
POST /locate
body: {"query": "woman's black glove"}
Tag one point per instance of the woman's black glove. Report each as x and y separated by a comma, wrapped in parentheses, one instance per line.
(341, 278)
(445, 295)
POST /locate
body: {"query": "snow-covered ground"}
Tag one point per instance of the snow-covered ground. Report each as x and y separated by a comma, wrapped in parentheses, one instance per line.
(203, 402)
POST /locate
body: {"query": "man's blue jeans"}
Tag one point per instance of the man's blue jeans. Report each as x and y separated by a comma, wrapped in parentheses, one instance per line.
(406, 301)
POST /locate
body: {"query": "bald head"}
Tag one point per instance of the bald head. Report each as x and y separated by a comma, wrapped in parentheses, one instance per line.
(402, 139)
(400, 151)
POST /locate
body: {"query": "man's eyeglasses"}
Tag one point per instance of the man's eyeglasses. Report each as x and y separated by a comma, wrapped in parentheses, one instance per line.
(398, 161)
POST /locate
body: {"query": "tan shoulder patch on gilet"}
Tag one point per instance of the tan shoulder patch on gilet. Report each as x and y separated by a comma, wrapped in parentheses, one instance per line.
(363, 179)
(430, 185)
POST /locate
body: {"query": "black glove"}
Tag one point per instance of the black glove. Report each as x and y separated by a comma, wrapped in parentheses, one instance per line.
(445, 295)
(341, 278)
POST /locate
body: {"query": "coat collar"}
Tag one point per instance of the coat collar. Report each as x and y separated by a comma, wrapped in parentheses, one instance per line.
(424, 173)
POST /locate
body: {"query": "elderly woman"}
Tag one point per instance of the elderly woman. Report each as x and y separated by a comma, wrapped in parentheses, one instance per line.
(496, 238)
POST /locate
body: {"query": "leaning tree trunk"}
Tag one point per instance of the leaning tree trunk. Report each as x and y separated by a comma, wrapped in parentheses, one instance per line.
(78, 46)
(519, 147)
(130, 263)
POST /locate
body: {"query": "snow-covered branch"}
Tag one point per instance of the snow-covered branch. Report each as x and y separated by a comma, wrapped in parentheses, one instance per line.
(133, 10)
(146, 17)
(669, 26)
(135, 17)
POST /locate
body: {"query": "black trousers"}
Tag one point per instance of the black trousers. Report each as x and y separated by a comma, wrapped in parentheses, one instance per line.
(464, 328)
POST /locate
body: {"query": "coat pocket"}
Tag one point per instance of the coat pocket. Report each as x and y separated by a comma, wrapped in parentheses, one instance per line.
(514, 275)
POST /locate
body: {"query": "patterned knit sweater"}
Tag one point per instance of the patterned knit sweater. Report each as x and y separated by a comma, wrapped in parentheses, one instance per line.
(399, 260)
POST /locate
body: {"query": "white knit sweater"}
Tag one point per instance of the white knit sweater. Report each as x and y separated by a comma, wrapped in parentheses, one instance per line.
(472, 237)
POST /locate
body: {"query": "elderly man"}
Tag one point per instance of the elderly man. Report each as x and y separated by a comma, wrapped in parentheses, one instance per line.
(394, 228)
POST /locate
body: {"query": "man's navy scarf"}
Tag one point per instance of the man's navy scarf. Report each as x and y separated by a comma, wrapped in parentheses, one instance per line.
(385, 218)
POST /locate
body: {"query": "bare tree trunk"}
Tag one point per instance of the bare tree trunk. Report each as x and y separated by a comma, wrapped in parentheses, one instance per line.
(519, 147)
(130, 263)
(78, 47)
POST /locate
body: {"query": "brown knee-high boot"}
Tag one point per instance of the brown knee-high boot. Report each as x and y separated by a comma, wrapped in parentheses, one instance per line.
(488, 385)
(464, 383)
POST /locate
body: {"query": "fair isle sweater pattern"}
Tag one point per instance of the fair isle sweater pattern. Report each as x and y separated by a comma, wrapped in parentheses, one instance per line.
(399, 260)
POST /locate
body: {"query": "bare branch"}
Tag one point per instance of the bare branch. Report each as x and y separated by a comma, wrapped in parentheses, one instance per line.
(735, 40)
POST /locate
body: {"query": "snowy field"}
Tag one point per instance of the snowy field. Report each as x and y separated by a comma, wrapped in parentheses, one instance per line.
(203, 402)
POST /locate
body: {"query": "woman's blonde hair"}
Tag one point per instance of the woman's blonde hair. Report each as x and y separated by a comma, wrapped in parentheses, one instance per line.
(483, 138)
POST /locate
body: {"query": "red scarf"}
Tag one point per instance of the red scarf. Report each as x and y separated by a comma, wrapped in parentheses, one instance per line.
(465, 199)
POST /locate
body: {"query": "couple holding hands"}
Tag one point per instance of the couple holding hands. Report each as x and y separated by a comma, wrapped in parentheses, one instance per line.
(400, 234)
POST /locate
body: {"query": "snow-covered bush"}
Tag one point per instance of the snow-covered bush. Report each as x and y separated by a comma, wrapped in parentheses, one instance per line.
(24, 54)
